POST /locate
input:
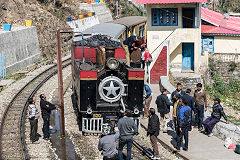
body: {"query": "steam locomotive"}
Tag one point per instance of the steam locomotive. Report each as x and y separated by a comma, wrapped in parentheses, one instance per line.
(105, 83)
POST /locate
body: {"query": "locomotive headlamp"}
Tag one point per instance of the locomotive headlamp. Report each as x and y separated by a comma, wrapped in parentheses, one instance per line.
(136, 111)
(112, 63)
(89, 110)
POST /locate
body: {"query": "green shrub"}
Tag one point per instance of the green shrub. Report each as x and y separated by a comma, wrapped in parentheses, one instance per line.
(233, 66)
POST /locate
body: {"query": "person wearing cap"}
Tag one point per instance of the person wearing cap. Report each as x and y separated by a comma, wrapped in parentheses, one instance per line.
(163, 106)
(107, 144)
(217, 113)
(179, 91)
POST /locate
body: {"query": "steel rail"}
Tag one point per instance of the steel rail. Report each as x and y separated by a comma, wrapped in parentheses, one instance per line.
(20, 141)
(143, 150)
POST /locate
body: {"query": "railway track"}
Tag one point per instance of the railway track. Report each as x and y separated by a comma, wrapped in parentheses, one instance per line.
(145, 152)
(12, 137)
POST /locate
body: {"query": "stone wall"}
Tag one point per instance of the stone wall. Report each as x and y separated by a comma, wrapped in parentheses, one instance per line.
(20, 46)
(188, 80)
(223, 130)
(223, 62)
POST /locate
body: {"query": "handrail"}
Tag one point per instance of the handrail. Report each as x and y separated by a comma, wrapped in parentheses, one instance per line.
(163, 41)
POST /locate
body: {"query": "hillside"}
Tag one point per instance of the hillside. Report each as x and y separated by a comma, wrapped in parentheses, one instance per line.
(125, 8)
(47, 16)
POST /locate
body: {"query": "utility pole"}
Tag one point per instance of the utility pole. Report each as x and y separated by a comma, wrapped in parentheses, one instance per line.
(60, 82)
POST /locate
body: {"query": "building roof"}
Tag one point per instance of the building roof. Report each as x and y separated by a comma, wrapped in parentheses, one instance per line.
(130, 21)
(110, 29)
(168, 1)
(220, 24)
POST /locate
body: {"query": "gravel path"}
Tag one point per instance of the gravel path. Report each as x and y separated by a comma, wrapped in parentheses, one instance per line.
(43, 150)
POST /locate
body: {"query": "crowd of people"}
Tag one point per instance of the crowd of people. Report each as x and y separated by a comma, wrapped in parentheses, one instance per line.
(187, 112)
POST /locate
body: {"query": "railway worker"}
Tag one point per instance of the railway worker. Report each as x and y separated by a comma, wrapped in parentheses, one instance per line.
(153, 131)
(127, 128)
(184, 121)
(179, 91)
(33, 116)
(200, 101)
(107, 144)
(190, 103)
(163, 106)
(46, 108)
(217, 113)
(147, 99)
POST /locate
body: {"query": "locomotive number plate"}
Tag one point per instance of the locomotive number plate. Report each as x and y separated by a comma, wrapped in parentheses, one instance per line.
(97, 115)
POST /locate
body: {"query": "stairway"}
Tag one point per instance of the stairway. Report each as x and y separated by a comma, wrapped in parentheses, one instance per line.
(100, 9)
(161, 55)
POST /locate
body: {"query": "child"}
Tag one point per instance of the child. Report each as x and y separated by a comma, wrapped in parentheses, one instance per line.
(184, 121)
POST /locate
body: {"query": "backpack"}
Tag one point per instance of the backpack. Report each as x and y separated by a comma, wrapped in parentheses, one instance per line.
(237, 150)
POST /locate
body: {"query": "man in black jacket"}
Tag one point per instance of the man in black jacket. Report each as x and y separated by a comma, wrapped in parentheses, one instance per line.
(216, 115)
(153, 131)
(163, 106)
(46, 108)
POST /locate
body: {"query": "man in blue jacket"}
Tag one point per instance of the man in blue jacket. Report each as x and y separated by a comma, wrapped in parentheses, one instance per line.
(191, 104)
(184, 121)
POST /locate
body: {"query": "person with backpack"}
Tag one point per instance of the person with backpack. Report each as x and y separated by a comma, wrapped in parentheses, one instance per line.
(184, 121)
(33, 115)
(147, 99)
(46, 108)
(217, 113)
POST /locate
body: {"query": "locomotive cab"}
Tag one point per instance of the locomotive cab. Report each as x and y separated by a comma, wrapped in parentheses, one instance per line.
(104, 86)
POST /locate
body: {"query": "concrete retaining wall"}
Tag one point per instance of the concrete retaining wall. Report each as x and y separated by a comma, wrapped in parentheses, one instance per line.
(21, 47)
(100, 9)
(83, 24)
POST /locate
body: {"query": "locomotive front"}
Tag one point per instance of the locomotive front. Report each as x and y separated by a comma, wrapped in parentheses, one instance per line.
(104, 86)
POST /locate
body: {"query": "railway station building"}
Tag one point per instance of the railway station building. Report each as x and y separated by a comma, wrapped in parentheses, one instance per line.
(173, 36)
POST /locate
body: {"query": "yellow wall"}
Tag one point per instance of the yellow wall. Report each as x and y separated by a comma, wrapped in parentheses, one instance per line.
(224, 44)
(176, 56)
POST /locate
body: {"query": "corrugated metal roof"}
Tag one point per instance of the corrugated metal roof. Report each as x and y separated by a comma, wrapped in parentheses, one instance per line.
(222, 24)
(130, 21)
(168, 1)
(110, 29)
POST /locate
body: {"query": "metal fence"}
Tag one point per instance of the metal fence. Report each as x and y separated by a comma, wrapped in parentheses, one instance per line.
(3, 73)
